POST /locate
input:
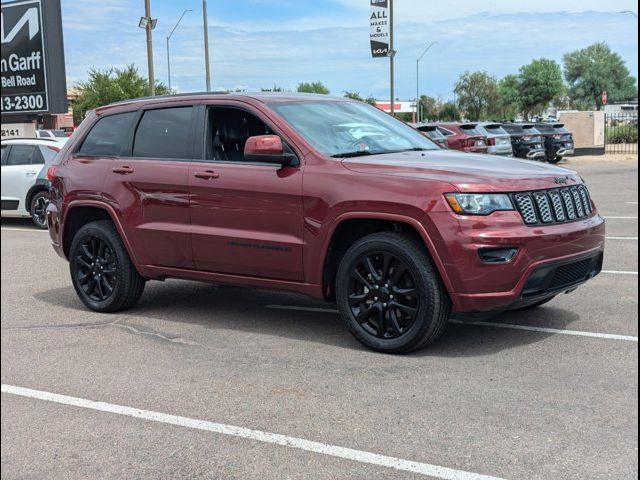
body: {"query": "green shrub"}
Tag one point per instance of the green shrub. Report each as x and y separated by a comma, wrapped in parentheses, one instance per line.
(623, 134)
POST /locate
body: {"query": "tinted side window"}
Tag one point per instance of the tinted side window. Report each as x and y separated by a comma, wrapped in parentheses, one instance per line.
(48, 153)
(21, 155)
(164, 133)
(108, 136)
(5, 149)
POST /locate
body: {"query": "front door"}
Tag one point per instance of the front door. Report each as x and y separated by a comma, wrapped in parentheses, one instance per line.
(246, 217)
(21, 165)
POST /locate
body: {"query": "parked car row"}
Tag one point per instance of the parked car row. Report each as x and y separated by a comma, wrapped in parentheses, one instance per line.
(534, 141)
(25, 187)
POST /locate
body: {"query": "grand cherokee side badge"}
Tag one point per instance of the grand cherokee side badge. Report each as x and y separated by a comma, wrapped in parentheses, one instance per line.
(561, 180)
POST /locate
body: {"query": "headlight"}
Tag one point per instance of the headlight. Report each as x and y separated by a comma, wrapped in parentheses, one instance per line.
(479, 203)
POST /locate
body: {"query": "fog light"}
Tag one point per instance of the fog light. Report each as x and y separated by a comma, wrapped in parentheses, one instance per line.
(497, 255)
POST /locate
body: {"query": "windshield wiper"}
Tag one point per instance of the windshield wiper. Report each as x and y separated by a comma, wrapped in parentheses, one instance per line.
(361, 153)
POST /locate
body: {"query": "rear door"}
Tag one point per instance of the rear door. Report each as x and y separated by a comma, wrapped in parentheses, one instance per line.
(149, 184)
(20, 168)
(246, 217)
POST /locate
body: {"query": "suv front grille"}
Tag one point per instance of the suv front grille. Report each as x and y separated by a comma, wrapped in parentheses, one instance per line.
(554, 206)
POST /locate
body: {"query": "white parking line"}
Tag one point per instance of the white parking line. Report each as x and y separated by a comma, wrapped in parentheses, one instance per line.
(23, 229)
(256, 435)
(632, 203)
(620, 218)
(621, 238)
(619, 272)
(577, 333)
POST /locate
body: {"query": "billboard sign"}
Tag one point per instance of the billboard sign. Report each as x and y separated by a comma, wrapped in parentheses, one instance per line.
(379, 28)
(31, 39)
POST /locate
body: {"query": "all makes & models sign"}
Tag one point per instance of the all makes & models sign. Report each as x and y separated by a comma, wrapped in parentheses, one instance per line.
(379, 28)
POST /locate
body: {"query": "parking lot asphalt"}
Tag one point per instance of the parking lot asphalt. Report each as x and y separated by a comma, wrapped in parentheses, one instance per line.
(556, 402)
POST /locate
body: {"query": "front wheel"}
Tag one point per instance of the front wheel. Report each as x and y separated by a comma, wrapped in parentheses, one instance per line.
(390, 295)
(555, 160)
(38, 209)
(101, 271)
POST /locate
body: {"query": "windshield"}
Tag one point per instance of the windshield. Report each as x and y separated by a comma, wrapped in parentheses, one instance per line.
(343, 129)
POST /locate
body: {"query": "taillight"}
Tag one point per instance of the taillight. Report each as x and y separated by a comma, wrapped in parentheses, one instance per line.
(527, 138)
(51, 173)
(491, 141)
(55, 149)
(557, 137)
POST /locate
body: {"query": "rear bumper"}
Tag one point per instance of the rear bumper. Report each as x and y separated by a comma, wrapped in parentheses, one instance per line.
(501, 150)
(535, 154)
(476, 286)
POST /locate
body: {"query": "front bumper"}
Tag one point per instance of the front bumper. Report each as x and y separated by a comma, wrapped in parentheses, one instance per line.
(477, 286)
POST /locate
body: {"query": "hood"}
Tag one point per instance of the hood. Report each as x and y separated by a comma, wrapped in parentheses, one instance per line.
(467, 172)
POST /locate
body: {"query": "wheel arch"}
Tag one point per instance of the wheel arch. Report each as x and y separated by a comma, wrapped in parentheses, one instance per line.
(350, 227)
(80, 213)
(32, 193)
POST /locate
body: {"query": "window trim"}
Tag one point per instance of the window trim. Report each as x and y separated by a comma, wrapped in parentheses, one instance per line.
(3, 161)
(202, 144)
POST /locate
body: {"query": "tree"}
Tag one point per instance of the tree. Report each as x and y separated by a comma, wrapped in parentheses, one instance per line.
(371, 100)
(429, 108)
(596, 69)
(313, 87)
(353, 96)
(275, 88)
(540, 83)
(476, 92)
(111, 85)
(508, 105)
(449, 113)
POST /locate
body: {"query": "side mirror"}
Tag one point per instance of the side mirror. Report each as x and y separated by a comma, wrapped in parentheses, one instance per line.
(267, 149)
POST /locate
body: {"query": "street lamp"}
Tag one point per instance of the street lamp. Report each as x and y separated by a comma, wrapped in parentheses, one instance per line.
(169, 38)
(418, 80)
(630, 13)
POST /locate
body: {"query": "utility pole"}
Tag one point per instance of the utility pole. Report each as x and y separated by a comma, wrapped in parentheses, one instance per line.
(149, 28)
(206, 45)
(392, 54)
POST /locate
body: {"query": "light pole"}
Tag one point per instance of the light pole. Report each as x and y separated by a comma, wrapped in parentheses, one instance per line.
(206, 45)
(169, 38)
(418, 80)
(149, 24)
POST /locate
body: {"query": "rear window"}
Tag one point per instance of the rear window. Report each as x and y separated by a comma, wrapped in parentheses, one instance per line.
(515, 129)
(470, 129)
(164, 133)
(108, 136)
(495, 129)
(560, 129)
(544, 128)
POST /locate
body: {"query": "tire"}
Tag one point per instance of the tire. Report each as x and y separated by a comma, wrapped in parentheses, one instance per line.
(38, 209)
(555, 160)
(372, 313)
(101, 271)
(536, 305)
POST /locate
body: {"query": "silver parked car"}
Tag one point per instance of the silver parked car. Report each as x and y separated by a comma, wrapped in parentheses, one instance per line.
(498, 139)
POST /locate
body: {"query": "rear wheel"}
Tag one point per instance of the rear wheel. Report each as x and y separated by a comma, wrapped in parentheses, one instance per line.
(101, 271)
(555, 160)
(390, 295)
(38, 209)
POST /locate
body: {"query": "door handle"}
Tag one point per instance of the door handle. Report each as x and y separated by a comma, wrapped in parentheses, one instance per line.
(206, 175)
(124, 170)
(30, 174)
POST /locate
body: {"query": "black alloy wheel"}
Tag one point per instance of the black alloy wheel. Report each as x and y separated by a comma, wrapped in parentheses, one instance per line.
(96, 269)
(383, 296)
(389, 293)
(102, 273)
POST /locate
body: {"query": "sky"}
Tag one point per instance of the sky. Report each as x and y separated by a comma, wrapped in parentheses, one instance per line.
(255, 44)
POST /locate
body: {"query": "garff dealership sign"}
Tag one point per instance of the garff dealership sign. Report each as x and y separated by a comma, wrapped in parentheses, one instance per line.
(31, 40)
(379, 26)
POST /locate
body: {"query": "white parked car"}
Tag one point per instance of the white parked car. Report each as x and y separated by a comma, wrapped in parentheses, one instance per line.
(57, 134)
(25, 187)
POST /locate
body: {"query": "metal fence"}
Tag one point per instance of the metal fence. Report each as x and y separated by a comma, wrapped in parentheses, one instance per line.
(621, 133)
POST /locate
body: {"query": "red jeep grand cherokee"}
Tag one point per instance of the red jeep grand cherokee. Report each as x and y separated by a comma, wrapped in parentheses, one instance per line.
(318, 195)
